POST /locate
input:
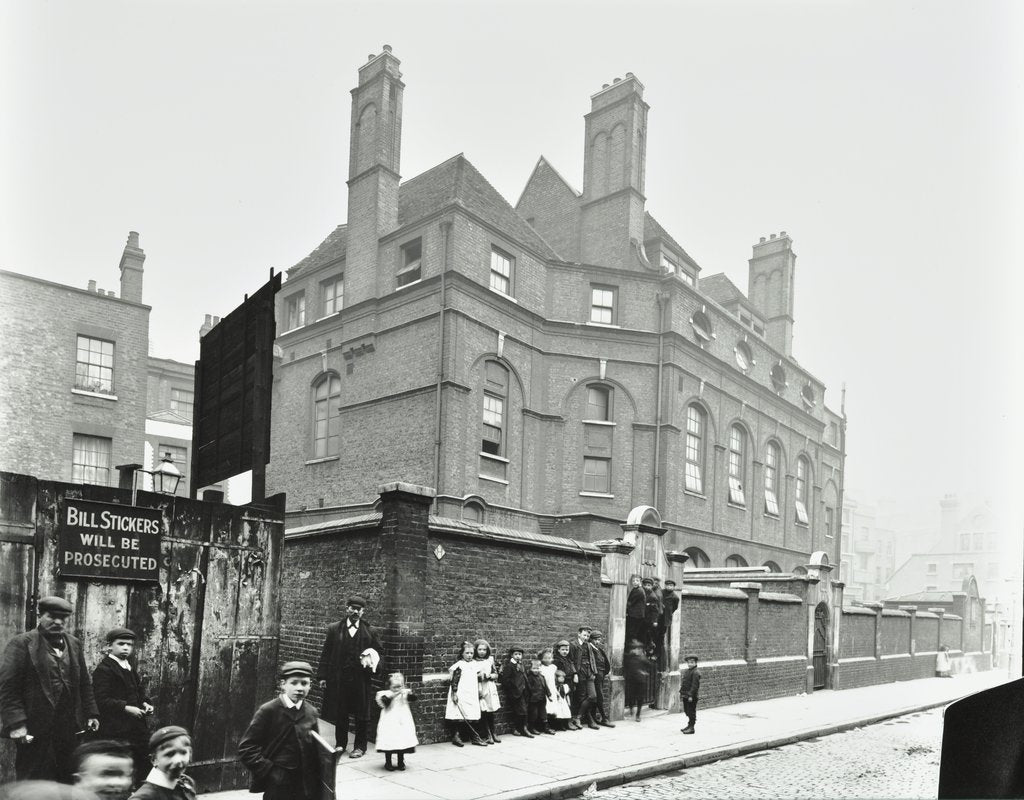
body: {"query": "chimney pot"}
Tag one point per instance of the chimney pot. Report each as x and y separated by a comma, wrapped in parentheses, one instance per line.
(92, 286)
(370, 57)
(133, 238)
(762, 240)
(387, 48)
(772, 236)
(782, 234)
(629, 74)
(617, 80)
(209, 320)
(605, 85)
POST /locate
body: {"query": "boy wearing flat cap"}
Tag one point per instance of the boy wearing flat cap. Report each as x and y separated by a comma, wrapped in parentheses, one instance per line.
(689, 692)
(278, 746)
(350, 660)
(170, 751)
(46, 695)
(121, 700)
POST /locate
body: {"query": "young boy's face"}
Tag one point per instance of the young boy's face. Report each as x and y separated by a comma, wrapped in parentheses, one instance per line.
(535, 667)
(584, 635)
(563, 650)
(107, 776)
(122, 648)
(516, 657)
(295, 687)
(547, 658)
(635, 580)
(173, 756)
(691, 663)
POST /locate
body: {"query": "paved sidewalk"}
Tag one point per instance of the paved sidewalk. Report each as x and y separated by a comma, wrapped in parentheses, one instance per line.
(566, 764)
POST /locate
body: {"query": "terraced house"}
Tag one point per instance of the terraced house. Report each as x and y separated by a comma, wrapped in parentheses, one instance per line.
(548, 367)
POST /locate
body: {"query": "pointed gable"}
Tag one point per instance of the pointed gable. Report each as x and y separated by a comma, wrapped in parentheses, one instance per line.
(552, 207)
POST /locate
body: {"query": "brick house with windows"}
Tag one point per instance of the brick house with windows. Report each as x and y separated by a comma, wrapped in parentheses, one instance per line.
(509, 401)
(510, 357)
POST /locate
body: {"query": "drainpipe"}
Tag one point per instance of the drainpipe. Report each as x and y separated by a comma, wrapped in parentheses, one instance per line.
(662, 298)
(842, 480)
(446, 228)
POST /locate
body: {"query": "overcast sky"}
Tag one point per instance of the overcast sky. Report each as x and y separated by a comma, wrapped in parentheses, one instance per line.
(885, 138)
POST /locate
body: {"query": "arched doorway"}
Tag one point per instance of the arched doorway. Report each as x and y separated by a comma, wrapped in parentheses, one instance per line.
(820, 654)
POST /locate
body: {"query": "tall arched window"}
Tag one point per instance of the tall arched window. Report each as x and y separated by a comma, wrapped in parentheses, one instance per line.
(495, 395)
(326, 416)
(736, 561)
(803, 471)
(737, 465)
(696, 422)
(698, 558)
(771, 479)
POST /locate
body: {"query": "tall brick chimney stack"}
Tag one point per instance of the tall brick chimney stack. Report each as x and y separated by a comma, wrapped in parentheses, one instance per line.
(614, 169)
(770, 287)
(375, 151)
(132, 260)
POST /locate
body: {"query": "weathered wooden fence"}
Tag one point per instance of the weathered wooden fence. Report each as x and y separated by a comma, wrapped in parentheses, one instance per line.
(208, 631)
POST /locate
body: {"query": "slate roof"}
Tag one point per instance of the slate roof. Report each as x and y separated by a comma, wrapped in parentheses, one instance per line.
(919, 597)
(720, 289)
(453, 181)
(654, 230)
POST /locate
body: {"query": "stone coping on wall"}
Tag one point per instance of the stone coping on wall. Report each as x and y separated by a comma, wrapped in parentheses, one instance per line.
(712, 591)
(864, 612)
(348, 524)
(780, 597)
(894, 612)
(495, 533)
(927, 615)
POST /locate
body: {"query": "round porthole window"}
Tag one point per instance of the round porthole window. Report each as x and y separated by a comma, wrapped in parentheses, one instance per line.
(744, 355)
(807, 395)
(701, 326)
(778, 376)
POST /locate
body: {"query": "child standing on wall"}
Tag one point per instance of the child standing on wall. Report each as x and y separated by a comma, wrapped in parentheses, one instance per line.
(463, 708)
(487, 674)
(635, 671)
(396, 731)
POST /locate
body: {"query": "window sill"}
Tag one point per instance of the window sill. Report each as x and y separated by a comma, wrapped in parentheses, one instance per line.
(492, 480)
(328, 316)
(598, 422)
(407, 285)
(740, 506)
(802, 524)
(321, 460)
(500, 293)
(598, 494)
(292, 330)
(603, 325)
(770, 515)
(692, 493)
(100, 395)
(492, 457)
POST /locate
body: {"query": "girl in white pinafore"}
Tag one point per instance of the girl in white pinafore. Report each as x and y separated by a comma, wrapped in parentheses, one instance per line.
(557, 705)
(396, 731)
(463, 708)
(487, 674)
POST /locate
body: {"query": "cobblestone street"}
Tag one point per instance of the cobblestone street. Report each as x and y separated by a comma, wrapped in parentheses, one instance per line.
(898, 758)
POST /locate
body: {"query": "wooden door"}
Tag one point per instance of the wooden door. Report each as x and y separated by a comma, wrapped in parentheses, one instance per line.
(820, 657)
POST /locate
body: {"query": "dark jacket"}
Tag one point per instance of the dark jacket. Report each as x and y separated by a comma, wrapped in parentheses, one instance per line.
(513, 681)
(580, 656)
(536, 688)
(26, 697)
(604, 665)
(635, 668)
(636, 602)
(114, 689)
(689, 683)
(185, 790)
(670, 602)
(566, 665)
(653, 607)
(269, 730)
(336, 666)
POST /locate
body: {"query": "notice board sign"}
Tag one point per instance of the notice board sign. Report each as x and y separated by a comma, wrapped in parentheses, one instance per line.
(114, 542)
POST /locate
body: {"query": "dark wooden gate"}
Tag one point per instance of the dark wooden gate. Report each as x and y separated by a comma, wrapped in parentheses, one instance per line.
(820, 656)
(208, 632)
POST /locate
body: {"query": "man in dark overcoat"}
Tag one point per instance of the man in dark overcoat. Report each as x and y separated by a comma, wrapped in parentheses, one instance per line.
(45, 695)
(346, 675)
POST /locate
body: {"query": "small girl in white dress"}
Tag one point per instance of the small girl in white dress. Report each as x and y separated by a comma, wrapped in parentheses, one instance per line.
(487, 674)
(557, 705)
(396, 731)
(463, 707)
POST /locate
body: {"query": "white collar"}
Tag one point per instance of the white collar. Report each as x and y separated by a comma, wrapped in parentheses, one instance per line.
(122, 664)
(159, 778)
(351, 624)
(288, 703)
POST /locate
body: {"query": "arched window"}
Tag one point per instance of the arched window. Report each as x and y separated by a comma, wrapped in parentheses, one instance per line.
(473, 512)
(772, 566)
(698, 558)
(599, 403)
(803, 471)
(799, 569)
(737, 465)
(495, 396)
(326, 416)
(736, 561)
(696, 422)
(771, 479)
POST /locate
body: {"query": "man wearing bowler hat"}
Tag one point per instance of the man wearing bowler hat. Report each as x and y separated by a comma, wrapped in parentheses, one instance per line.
(46, 696)
(350, 659)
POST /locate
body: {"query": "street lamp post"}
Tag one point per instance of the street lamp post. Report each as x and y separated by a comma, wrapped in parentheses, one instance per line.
(166, 476)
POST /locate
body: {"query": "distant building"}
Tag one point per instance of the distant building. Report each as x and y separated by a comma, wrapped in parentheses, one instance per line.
(73, 373)
(868, 552)
(551, 366)
(170, 399)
